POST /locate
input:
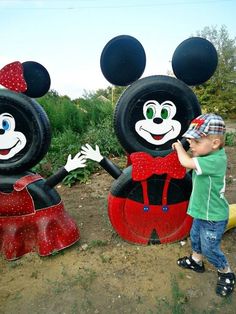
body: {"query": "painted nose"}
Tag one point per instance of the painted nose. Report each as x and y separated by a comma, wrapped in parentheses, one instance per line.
(2, 131)
(157, 120)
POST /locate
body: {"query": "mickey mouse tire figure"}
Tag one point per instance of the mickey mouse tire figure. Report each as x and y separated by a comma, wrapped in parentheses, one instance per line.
(154, 210)
(148, 200)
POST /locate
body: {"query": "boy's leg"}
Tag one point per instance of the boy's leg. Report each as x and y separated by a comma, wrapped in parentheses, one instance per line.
(194, 261)
(211, 235)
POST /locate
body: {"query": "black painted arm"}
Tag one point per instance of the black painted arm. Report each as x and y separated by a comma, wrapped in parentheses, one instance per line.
(57, 177)
(110, 167)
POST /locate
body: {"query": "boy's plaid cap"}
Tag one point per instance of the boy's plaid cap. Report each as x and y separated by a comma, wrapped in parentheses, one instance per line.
(204, 125)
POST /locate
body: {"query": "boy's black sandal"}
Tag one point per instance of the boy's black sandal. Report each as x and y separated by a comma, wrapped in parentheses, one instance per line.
(189, 263)
(225, 284)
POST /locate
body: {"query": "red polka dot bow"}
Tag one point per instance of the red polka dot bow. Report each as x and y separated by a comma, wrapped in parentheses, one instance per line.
(144, 166)
(11, 77)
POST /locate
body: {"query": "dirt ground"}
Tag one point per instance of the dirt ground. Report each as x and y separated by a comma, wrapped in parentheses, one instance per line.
(104, 274)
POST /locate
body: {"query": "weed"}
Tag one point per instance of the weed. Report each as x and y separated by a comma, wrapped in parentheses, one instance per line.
(226, 301)
(181, 275)
(64, 272)
(86, 304)
(105, 258)
(75, 308)
(97, 243)
(34, 274)
(14, 264)
(230, 139)
(139, 300)
(229, 180)
(77, 176)
(16, 296)
(84, 280)
(179, 300)
(56, 252)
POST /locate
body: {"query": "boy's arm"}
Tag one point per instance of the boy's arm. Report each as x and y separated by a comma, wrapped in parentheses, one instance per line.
(185, 160)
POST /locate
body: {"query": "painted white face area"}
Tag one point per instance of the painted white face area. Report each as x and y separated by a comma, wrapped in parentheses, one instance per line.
(11, 141)
(158, 127)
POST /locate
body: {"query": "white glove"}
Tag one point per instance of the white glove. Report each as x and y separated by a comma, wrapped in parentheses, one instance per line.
(89, 153)
(77, 162)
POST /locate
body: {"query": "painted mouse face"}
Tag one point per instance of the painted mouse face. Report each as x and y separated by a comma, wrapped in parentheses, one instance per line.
(24, 126)
(24, 132)
(159, 125)
(11, 141)
(154, 112)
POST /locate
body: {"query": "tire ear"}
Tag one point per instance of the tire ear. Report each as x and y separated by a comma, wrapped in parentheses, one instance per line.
(37, 79)
(123, 60)
(194, 60)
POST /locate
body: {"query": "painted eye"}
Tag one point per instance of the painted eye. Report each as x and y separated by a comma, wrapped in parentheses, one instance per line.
(165, 113)
(150, 112)
(6, 125)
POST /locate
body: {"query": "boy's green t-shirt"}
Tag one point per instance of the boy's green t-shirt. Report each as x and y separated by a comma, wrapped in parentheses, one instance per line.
(207, 200)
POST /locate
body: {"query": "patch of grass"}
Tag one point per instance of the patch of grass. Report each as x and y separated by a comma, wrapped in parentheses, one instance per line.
(34, 274)
(97, 243)
(139, 299)
(16, 296)
(83, 279)
(105, 258)
(14, 264)
(179, 300)
(56, 252)
(178, 296)
(75, 308)
(181, 275)
(227, 300)
(229, 180)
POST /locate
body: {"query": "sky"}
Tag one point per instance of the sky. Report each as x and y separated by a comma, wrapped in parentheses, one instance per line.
(68, 37)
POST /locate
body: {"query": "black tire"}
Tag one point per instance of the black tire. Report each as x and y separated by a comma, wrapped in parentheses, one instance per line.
(125, 187)
(123, 60)
(129, 110)
(32, 120)
(194, 60)
(42, 195)
(37, 79)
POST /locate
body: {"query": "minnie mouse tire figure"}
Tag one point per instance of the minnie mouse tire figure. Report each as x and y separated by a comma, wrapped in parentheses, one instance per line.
(32, 215)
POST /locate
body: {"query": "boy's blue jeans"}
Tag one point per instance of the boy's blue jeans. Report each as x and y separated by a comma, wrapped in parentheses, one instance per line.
(205, 239)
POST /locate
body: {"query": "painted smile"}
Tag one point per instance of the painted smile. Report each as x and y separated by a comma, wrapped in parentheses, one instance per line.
(6, 151)
(157, 137)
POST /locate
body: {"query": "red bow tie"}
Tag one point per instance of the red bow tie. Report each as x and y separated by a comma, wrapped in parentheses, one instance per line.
(144, 166)
(11, 77)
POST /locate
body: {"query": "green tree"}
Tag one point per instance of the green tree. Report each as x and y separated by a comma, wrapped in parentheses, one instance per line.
(218, 93)
(111, 93)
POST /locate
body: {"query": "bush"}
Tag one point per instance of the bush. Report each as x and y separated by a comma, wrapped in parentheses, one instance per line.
(230, 139)
(70, 142)
(77, 115)
(104, 136)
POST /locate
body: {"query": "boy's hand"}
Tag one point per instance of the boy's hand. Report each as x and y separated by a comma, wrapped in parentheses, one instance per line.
(177, 145)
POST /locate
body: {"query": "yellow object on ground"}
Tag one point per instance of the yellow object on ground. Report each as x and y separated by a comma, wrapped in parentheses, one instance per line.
(232, 217)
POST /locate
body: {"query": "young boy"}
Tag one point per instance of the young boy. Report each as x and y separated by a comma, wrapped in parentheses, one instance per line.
(207, 204)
